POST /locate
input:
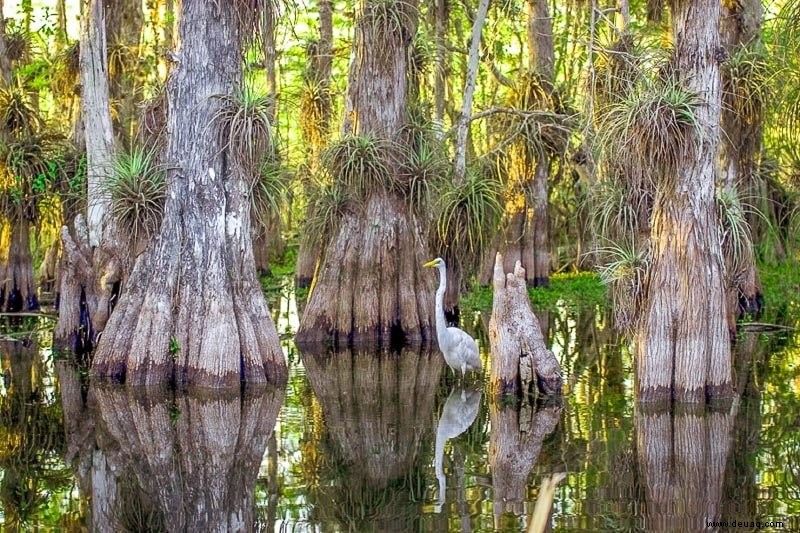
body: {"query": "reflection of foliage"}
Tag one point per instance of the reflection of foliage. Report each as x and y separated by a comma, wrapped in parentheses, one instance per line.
(31, 443)
(135, 509)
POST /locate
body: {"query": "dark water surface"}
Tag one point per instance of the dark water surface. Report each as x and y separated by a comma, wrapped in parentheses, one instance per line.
(392, 442)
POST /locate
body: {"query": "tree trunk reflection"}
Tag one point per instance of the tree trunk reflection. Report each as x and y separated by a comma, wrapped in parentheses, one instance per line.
(166, 461)
(377, 410)
(682, 457)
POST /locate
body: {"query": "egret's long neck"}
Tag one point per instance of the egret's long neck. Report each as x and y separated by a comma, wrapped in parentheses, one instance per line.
(441, 325)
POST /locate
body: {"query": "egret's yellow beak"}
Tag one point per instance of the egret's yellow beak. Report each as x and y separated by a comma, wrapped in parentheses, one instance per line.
(430, 263)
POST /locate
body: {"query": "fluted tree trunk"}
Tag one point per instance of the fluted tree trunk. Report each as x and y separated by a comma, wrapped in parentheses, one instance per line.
(370, 284)
(193, 311)
(90, 265)
(682, 344)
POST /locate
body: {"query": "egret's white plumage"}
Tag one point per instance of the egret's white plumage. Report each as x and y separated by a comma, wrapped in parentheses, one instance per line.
(459, 349)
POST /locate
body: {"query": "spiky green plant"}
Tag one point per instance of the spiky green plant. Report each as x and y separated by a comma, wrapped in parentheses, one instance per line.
(361, 164)
(18, 118)
(18, 42)
(737, 245)
(329, 202)
(65, 70)
(467, 212)
(244, 126)
(624, 270)
(747, 83)
(136, 187)
(269, 193)
(652, 127)
(316, 105)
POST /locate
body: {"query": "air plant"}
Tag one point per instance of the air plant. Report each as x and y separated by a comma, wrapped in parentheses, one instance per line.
(737, 245)
(467, 211)
(18, 118)
(361, 164)
(244, 127)
(747, 80)
(269, 192)
(316, 104)
(329, 202)
(625, 270)
(652, 127)
(136, 188)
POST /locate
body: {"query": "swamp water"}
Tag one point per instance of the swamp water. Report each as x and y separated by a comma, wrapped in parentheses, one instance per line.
(392, 442)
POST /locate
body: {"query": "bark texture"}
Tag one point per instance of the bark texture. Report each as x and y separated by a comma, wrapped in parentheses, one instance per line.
(740, 149)
(369, 286)
(514, 445)
(519, 354)
(682, 459)
(682, 348)
(316, 131)
(193, 311)
(97, 112)
(18, 291)
(189, 462)
(90, 271)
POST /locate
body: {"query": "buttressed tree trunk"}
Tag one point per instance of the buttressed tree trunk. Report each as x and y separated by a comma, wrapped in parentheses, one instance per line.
(370, 285)
(90, 270)
(682, 345)
(519, 354)
(193, 311)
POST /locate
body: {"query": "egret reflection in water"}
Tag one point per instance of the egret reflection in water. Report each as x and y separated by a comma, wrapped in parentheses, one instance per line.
(458, 414)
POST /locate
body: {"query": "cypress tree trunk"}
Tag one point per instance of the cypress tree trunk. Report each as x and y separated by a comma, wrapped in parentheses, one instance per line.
(526, 237)
(316, 131)
(370, 285)
(740, 148)
(18, 290)
(193, 311)
(90, 267)
(682, 344)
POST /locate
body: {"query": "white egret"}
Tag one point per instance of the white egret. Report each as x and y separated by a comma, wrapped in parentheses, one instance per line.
(459, 349)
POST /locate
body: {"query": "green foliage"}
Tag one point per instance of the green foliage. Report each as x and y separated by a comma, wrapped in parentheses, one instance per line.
(18, 118)
(652, 127)
(361, 164)
(244, 127)
(467, 212)
(329, 202)
(574, 290)
(624, 271)
(737, 244)
(781, 288)
(269, 193)
(136, 187)
(174, 347)
(747, 77)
